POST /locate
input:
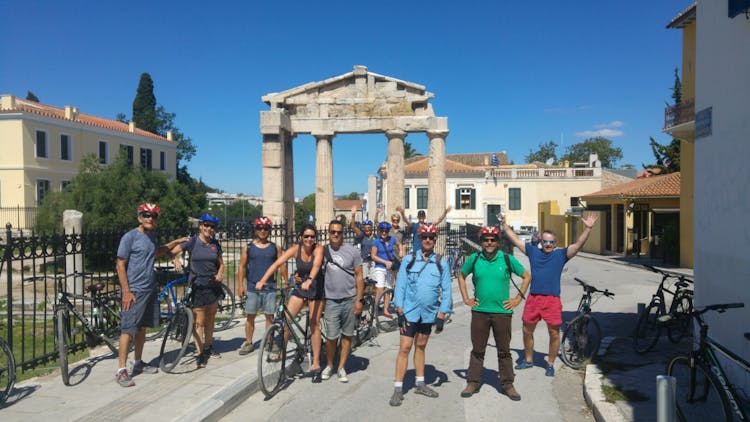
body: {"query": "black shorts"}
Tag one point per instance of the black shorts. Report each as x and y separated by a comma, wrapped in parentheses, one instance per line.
(315, 292)
(418, 327)
(206, 295)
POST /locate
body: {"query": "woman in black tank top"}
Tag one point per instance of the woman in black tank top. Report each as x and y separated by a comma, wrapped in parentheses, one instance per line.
(308, 256)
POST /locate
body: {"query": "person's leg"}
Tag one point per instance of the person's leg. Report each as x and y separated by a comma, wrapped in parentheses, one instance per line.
(552, 315)
(250, 327)
(208, 329)
(122, 352)
(294, 305)
(348, 321)
(480, 332)
(501, 329)
(528, 341)
(199, 317)
(387, 298)
(140, 340)
(316, 309)
(402, 359)
(420, 342)
(554, 343)
(333, 322)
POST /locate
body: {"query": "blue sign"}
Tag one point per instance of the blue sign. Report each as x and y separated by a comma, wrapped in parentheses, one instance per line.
(703, 123)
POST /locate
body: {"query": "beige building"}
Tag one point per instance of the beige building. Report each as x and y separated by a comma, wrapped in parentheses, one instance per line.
(43, 147)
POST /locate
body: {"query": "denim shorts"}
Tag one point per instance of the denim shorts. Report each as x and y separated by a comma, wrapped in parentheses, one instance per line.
(263, 300)
(339, 317)
(144, 312)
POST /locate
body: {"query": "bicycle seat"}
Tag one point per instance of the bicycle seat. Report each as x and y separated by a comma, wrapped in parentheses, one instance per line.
(95, 287)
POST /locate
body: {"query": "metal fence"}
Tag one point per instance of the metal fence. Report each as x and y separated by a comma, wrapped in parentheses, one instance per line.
(20, 217)
(32, 266)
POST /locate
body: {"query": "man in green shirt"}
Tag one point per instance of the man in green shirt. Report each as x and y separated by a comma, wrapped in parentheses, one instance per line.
(491, 308)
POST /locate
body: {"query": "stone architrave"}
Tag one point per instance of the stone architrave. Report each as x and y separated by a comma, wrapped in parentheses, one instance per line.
(436, 174)
(323, 179)
(356, 102)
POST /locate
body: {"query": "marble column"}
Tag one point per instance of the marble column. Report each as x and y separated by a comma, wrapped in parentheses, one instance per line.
(394, 171)
(278, 171)
(436, 201)
(323, 179)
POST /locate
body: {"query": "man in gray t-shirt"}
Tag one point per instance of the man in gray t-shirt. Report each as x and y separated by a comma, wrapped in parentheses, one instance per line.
(343, 290)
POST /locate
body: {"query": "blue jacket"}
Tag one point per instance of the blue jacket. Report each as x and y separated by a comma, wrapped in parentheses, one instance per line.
(419, 289)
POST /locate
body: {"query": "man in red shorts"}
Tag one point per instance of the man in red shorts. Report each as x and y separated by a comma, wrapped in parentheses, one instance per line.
(543, 301)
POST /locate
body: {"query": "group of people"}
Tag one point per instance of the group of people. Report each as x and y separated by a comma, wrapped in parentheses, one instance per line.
(420, 279)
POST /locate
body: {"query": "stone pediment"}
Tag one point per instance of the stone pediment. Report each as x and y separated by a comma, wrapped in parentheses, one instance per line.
(356, 94)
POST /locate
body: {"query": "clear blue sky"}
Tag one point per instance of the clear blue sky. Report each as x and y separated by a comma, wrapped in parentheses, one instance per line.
(508, 75)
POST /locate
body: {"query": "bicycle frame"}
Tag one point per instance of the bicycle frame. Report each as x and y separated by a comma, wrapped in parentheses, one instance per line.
(284, 317)
(96, 325)
(169, 291)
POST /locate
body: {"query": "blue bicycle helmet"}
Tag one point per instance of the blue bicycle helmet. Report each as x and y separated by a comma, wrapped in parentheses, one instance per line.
(384, 226)
(209, 218)
(367, 223)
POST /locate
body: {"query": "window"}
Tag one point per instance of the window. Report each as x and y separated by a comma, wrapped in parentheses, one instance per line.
(514, 199)
(406, 198)
(162, 160)
(66, 151)
(41, 144)
(146, 158)
(64, 185)
(466, 199)
(421, 198)
(127, 152)
(42, 187)
(103, 152)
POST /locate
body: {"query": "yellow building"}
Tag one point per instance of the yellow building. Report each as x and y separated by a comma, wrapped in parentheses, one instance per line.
(43, 147)
(679, 121)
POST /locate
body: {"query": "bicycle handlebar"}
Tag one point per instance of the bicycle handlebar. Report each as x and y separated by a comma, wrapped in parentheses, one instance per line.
(696, 313)
(589, 288)
(667, 275)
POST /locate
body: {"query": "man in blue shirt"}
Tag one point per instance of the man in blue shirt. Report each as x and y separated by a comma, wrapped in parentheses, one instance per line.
(543, 301)
(413, 227)
(422, 298)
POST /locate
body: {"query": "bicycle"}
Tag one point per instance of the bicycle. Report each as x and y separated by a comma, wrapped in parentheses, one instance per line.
(177, 335)
(703, 390)
(7, 371)
(455, 258)
(273, 348)
(582, 335)
(648, 327)
(102, 324)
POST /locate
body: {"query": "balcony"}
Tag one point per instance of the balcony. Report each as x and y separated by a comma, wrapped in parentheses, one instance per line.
(544, 173)
(679, 119)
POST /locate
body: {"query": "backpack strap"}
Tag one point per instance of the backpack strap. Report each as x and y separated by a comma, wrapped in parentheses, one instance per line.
(510, 274)
(329, 259)
(438, 258)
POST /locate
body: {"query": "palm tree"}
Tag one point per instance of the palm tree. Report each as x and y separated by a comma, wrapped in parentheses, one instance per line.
(409, 151)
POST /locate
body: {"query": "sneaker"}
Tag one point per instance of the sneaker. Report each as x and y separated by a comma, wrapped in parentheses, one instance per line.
(247, 348)
(524, 364)
(342, 375)
(123, 378)
(144, 368)
(396, 398)
(471, 389)
(201, 360)
(425, 391)
(210, 352)
(510, 391)
(550, 372)
(327, 372)
(316, 376)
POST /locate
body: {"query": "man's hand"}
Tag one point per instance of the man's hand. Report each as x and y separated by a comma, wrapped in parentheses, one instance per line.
(402, 323)
(240, 289)
(306, 285)
(357, 307)
(589, 218)
(511, 303)
(399, 208)
(259, 285)
(127, 298)
(439, 323)
(471, 302)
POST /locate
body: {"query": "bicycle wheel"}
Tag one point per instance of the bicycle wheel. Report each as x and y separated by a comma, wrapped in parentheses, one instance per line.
(272, 360)
(698, 395)
(7, 371)
(176, 339)
(364, 328)
(384, 323)
(166, 311)
(648, 329)
(225, 309)
(681, 326)
(62, 323)
(580, 341)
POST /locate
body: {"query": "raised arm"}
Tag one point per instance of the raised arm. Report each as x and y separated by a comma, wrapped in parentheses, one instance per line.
(400, 210)
(442, 217)
(513, 237)
(168, 247)
(353, 223)
(588, 219)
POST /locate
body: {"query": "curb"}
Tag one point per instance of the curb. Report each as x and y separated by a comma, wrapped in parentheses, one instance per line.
(592, 391)
(224, 401)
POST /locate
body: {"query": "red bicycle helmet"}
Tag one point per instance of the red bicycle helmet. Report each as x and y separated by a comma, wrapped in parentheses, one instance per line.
(148, 207)
(262, 221)
(427, 228)
(489, 230)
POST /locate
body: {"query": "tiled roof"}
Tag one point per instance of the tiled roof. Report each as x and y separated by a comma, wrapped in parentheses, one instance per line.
(86, 119)
(664, 186)
(684, 18)
(421, 165)
(478, 159)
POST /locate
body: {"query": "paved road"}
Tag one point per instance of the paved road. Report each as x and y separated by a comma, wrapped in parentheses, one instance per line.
(371, 367)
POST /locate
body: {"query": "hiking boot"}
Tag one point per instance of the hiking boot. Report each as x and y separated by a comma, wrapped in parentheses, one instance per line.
(425, 391)
(123, 378)
(511, 392)
(524, 364)
(144, 368)
(471, 389)
(247, 348)
(342, 375)
(327, 372)
(396, 398)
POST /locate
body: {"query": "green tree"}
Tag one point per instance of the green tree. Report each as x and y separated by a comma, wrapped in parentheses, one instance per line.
(144, 105)
(608, 154)
(543, 153)
(121, 117)
(108, 196)
(409, 151)
(677, 88)
(31, 97)
(667, 156)
(352, 195)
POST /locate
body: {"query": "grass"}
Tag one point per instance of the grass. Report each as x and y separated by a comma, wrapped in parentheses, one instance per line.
(617, 393)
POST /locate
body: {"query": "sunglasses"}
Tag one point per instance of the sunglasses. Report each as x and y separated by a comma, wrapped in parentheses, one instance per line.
(209, 226)
(308, 236)
(335, 231)
(149, 215)
(428, 237)
(489, 239)
(395, 221)
(548, 242)
(263, 228)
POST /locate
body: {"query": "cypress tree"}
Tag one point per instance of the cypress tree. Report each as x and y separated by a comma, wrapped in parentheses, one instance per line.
(144, 105)
(31, 97)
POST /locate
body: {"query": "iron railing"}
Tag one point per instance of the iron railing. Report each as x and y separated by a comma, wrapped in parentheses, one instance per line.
(676, 114)
(19, 217)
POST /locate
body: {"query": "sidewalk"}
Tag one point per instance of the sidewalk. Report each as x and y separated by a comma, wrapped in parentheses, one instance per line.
(188, 394)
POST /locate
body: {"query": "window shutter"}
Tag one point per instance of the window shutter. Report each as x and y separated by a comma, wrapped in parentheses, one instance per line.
(457, 205)
(473, 199)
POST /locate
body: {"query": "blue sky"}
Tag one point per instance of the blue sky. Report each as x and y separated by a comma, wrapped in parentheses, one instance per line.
(508, 75)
